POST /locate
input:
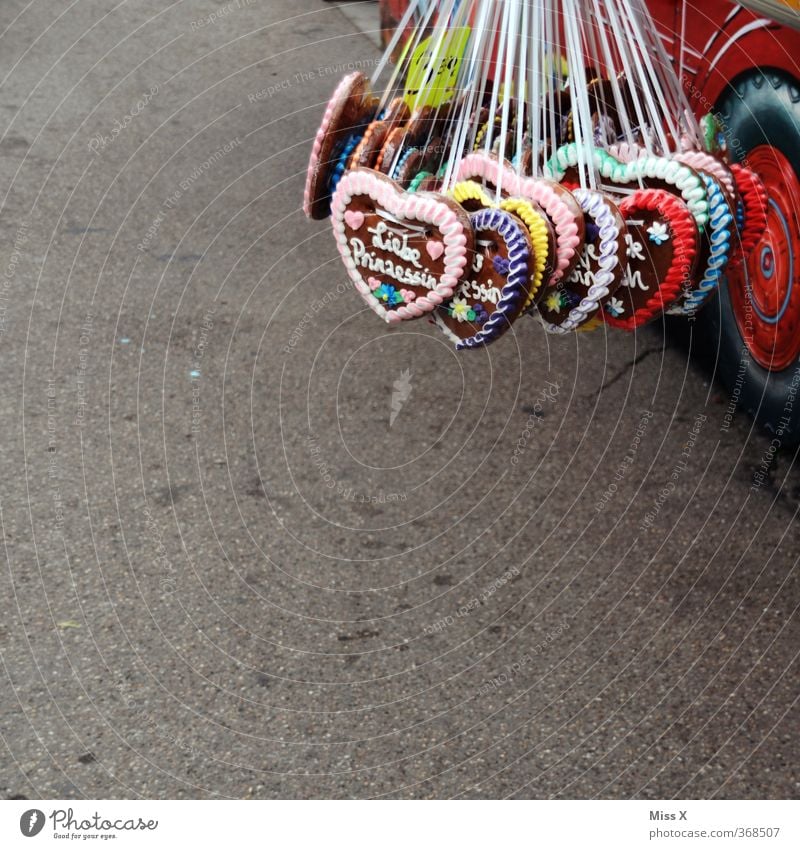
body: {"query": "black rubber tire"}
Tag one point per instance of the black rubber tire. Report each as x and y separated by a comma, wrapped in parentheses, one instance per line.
(760, 107)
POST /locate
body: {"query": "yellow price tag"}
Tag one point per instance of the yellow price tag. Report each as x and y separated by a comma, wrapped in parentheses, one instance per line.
(434, 68)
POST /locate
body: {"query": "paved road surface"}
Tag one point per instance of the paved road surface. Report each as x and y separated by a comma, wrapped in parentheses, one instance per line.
(229, 576)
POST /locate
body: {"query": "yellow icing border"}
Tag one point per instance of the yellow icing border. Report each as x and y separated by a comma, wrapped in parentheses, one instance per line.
(470, 190)
(539, 239)
(589, 326)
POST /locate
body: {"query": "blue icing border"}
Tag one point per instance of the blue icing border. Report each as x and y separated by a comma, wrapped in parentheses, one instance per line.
(402, 161)
(720, 226)
(341, 163)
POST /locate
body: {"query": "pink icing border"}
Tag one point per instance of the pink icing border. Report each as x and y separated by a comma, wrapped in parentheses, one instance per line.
(567, 238)
(701, 161)
(342, 92)
(390, 197)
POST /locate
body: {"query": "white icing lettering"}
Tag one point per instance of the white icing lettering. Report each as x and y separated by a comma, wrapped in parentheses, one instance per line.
(478, 292)
(405, 276)
(384, 239)
(633, 280)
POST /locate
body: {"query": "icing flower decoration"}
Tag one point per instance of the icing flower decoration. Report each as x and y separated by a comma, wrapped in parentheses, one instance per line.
(481, 316)
(408, 295)
(501, 266)
(460, 309)
(388, 295)
(556, 302)
(658, 233)
(374, 283)
(615, 307)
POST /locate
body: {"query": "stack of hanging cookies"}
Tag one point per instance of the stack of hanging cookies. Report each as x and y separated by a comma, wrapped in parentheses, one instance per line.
(474, 223)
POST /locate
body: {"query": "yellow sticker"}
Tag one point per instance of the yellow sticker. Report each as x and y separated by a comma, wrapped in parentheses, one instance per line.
(434, 69)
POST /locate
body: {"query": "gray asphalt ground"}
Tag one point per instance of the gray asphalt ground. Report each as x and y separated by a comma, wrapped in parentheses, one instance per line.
(227, 575)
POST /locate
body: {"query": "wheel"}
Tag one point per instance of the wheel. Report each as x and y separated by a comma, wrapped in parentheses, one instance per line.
(756, 316)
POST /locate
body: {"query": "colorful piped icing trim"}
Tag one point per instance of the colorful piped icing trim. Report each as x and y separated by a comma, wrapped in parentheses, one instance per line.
(539, 241)
(405, 156)
(497, 123)
(418, 207)
(341, 163)
(701, 161)
(721, 235)
(469, 190)
(489, 169)
(594, 205)
(341, 93)
(684, 238)
(645, 166)
(418, 181)
(516, 280)
(753, 197)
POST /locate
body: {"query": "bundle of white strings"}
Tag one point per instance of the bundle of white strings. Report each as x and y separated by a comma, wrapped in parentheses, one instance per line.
(525, 59)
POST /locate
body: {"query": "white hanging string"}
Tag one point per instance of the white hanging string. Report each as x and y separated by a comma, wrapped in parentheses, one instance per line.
(474, 70)
(510, 86)
(411, 12)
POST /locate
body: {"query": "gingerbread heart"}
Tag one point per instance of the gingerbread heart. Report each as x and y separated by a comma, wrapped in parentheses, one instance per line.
(349, 111)
(715, 248)
(473, 197)
(662, 247)
(560, 207)
(576, 299)
(369, 148)
(649, 171)
(496, 290)
(404, 252)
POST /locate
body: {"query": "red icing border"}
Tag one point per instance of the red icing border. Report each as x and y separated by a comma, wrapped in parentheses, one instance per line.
(684, 234)
(754, 199)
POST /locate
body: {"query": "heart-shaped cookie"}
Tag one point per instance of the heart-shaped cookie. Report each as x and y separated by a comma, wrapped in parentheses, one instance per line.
(404, 252)
(473, 197)
(715, 248)
(662, 248)
(349, 111)
(647, 170)
(366, 153)
(753, 200)
(560, 207)
(495, 291)
(576, 299)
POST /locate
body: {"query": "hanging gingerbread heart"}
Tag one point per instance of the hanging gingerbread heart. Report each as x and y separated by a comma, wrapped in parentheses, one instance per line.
(366, 153)
(404, 252)
(576, 299)
(473, 197)
(496, 289)
(349, 111)
(558, 204)
(415, 160)
(662, 249)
